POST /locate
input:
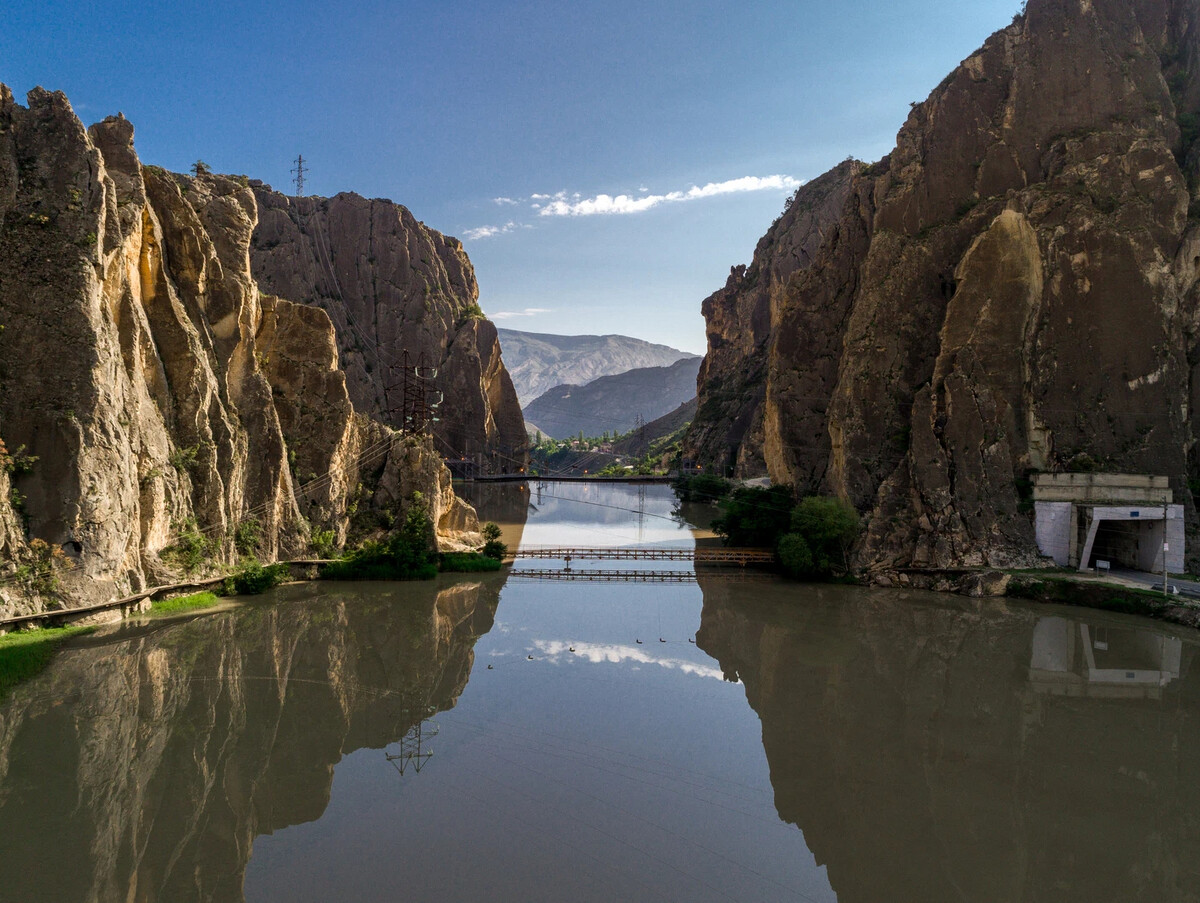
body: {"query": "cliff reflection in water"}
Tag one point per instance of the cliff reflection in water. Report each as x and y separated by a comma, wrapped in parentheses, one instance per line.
(934, 751)
(143, 767)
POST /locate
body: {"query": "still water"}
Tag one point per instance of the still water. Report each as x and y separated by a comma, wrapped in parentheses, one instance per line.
(514, 739)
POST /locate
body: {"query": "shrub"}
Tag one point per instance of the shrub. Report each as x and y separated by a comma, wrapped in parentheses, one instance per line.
(405, 555)
(247, 536)
(795, 556)
(184, 458)
(254, 579)
(468, 562)
(191, 549)
(324, 543)
(493, 548)
(828, 527)
(755, 517)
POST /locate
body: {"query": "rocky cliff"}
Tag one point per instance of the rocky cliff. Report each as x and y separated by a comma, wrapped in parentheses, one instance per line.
(392, 285)
(175, 745)
(1012, 289)
(155, 408)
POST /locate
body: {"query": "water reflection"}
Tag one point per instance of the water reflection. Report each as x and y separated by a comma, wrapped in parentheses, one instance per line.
(935, 751)
(149, 761)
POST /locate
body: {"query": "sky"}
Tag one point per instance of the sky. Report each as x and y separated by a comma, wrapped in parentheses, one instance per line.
(604, 163)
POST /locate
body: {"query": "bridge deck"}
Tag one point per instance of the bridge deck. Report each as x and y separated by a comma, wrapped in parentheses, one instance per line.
(698, 556)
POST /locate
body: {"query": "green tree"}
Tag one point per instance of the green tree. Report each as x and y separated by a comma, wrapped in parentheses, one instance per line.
(828, 528)
(492, 546)
(755, 517)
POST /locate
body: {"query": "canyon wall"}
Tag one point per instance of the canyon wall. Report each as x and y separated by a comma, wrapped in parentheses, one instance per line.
(155, 408)
(392, 285)
(1013, 289)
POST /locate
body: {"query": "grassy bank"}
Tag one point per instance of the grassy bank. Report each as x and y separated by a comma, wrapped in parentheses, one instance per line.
(184, 603)
(1105, 597)
(26, 653)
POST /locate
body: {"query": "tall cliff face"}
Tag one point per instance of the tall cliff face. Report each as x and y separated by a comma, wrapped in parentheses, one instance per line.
(1012, 289)
(143, 371)
(177, 746)
(392, 285)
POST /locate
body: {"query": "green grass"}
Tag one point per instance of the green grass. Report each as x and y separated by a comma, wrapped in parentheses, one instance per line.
(468, 562)
(26, 653)
(184, 603)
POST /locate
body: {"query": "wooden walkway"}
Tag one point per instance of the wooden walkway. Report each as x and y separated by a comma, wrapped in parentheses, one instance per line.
(700, 556)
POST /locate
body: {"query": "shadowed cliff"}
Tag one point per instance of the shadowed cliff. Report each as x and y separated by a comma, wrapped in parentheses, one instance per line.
(1012, 289)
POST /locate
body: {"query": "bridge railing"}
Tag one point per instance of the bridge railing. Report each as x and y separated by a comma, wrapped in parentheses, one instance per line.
(698, 556)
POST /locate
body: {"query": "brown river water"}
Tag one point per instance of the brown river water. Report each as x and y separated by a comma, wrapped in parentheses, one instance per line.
(505, 738)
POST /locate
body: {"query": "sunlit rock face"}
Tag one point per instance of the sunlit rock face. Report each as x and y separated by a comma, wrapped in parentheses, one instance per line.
(175, 747)
(393, 286)
(972, 752)
(158, 390)
(1013, 288)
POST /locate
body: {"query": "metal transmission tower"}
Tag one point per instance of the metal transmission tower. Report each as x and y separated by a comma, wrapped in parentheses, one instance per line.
(298, 181)
(413, 753)
(640, 426)
(416, 411)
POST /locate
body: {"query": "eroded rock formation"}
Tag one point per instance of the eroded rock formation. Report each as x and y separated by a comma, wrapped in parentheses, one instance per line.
(1012, 289)
(175, 747)
(165, 400)
(392, 285)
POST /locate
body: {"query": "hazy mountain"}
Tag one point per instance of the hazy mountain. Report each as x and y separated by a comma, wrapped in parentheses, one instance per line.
(613, 403)
(538, 361)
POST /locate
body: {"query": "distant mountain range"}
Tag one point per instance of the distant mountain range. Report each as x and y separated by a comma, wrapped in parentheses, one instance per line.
(538, 362)
(612, 403)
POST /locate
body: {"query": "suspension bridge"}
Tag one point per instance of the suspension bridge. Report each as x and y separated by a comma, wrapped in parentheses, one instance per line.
(699, 556)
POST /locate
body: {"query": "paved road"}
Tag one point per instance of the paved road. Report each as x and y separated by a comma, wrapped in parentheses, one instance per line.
(1155, 581)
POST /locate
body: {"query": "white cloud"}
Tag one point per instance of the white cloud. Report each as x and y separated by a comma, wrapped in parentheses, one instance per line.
(505, 202)
(598, 653)
(562, 204)
(489, 231)
(527, 312)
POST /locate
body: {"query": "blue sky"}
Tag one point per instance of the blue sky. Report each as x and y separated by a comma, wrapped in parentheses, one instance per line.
(447, 107)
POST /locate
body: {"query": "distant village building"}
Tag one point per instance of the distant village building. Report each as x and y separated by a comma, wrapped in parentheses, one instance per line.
(1122, 519)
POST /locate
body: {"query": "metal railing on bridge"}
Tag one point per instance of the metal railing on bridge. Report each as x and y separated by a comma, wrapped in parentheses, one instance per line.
(699, 556)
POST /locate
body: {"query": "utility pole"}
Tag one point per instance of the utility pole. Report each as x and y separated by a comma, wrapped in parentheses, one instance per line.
(298, 181)
(1164, 546)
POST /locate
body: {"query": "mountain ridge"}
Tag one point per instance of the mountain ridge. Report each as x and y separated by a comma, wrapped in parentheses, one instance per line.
(612, 403)
(539, 361)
